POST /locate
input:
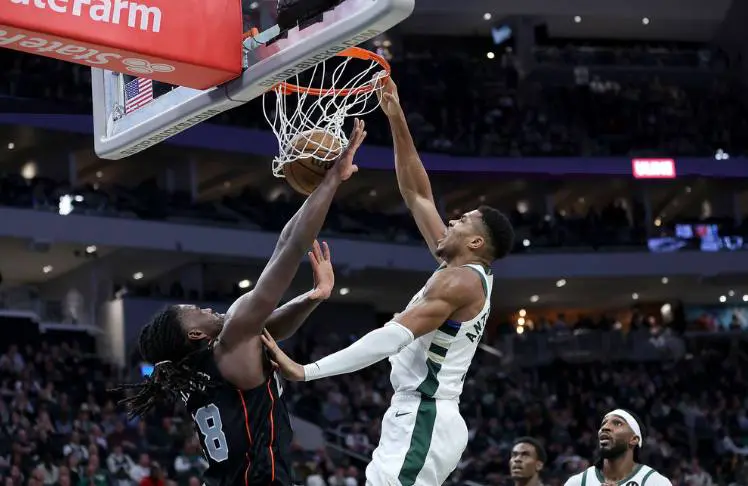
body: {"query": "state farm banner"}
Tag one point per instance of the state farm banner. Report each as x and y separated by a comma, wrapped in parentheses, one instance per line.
(194, 43)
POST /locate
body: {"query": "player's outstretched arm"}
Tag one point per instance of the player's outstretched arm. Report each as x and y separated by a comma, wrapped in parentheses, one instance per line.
(412, 178)
(247, 315)
(450, 290)
(287, 319)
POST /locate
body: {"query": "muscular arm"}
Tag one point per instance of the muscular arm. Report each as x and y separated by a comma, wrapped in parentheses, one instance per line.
(247, 316)
(287, 319)
(448, 291)
(413, 180)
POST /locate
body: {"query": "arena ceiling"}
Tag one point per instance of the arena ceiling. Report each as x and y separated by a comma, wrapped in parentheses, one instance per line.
(23, 265)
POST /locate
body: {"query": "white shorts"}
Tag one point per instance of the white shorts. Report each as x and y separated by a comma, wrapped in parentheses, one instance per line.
(421, 443)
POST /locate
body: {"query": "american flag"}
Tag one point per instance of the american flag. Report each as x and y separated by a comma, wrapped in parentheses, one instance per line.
(138, 92)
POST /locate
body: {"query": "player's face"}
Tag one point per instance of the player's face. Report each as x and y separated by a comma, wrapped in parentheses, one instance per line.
(200, 323)
(461, 234)
(615, 437)
(524, 462)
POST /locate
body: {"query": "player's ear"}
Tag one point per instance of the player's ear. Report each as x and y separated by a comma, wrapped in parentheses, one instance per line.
(538, 466)
(476, 242)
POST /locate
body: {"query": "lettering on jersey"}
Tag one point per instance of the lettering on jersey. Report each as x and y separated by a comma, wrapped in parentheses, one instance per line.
(632, 483)
(477, 332)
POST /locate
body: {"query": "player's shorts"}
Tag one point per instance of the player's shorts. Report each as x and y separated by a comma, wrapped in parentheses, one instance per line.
(421, 443)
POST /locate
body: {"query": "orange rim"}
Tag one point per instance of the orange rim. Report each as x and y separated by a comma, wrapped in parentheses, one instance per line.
(286, 88)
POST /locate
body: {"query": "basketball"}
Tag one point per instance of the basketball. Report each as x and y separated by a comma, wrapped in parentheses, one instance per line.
(307, 172)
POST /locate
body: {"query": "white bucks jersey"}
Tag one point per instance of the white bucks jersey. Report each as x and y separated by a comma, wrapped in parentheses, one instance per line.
(641, 476)
(436, 363)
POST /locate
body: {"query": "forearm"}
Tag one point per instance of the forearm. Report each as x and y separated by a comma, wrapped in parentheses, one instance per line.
(412, 178)
(287, 319)
(373, 347)
(303, 227)
(252, 310)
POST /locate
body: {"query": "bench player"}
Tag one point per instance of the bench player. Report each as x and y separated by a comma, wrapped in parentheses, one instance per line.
(432, 342)
(217, 365)
(620, 437)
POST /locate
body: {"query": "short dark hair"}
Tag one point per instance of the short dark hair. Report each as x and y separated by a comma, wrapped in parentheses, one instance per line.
(500, 231)
(163, 343)
(535, 443)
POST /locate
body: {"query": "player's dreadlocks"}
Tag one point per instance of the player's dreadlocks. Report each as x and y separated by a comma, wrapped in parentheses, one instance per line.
(164, 343)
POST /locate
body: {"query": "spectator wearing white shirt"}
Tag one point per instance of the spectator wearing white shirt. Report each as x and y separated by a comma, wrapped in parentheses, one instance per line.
(120, 466)
(142, 469)
(75, 448)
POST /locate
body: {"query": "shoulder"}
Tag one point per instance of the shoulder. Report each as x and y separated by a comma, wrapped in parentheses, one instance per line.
(577, 479)
(454, 283)
(654, 478)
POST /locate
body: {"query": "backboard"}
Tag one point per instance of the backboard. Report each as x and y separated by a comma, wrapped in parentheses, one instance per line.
(121, 129)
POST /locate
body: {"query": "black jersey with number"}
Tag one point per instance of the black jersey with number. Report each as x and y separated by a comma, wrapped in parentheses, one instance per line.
(245, 434)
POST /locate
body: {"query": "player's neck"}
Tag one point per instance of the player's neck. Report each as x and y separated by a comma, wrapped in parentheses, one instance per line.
(461, 260)
(619, 468)
(533, 481)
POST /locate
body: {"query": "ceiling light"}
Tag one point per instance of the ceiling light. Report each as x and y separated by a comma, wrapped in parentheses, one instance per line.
(534, 298)
(91, 249)
(577, 19)
(722, 298)
(99, 174)
(487, 16)
(28, 171)
(525, 242)
(731, 293)
(490, 55)
(521, 321)
(522, 312)
(245, 284)
(520, 329)
(253, 5)
(745, 298)
(11, 145)
(47, 268)
(345, 291)
(137, 275)
(78, 198)
(373, 193)
(635, 296)
(665, 280)
(561, 283)
(645, 21)
(658, 222)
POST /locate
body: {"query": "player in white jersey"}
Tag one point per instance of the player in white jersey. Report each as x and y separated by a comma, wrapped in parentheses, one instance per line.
(432, 342)
(620, 437)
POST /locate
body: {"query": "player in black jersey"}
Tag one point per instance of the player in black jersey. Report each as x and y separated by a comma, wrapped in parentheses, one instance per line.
(217, 364)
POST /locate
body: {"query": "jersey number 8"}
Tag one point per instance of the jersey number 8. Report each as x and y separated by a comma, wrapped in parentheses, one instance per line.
(208, 420)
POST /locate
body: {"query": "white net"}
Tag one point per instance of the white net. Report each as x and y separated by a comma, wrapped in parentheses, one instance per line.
(334, 93)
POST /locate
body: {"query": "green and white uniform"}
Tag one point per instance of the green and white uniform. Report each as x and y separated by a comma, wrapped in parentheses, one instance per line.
(641, 476)
(423, 434)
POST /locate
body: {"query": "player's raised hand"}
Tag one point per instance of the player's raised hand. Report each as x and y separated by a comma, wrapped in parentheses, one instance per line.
(344, 167)
(389, 100)
(290, 369)
(324, 277)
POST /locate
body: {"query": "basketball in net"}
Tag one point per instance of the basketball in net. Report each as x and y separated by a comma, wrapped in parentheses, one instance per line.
(308, 114)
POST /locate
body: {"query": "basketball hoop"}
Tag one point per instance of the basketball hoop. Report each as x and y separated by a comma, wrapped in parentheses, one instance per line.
(321, 103)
